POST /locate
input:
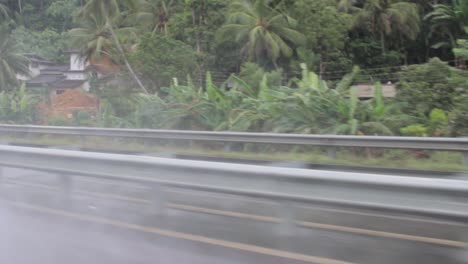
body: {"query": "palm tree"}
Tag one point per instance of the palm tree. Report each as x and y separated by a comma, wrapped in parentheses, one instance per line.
(12, 62)
(95, 37)
(451, 20)
(105, 8)
(382, 17)
(263, 31)
(348, 6)
(4, 12)
(154, 14)
(100, 34)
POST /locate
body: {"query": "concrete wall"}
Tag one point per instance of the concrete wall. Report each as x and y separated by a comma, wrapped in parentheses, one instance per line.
(77, 63)
(76, 75)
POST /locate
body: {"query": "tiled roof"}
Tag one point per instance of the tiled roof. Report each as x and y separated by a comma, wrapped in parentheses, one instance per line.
(53, 75)
(67, 84)
(38, 59)
(46, 79)
(56, 68)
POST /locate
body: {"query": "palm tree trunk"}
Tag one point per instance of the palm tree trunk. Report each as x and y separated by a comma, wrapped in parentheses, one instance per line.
(382, 41)
(129, 67)
(275, 64)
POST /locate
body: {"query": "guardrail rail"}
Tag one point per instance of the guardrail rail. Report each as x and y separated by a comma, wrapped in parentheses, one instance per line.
(331, 141)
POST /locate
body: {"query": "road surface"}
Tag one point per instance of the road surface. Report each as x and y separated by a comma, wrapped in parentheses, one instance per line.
(35, 229)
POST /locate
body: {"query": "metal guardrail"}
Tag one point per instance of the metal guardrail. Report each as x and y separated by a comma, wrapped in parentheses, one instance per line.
(442, 144)
(439, 198)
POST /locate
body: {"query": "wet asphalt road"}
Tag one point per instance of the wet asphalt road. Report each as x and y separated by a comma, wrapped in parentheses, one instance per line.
(36, 237)
(28, 238)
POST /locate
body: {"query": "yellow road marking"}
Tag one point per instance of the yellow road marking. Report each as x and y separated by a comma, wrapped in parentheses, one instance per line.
(360, 231)
(345, 229)
(184, 236)
(338, 228)
(115, 197)
(231, 197)
(224, 213)
(143, 201)
(411, 219)
(32, 185)
(101, 195)
(317, 208)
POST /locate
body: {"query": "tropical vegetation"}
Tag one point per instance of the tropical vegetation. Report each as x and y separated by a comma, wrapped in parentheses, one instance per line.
(252, 65)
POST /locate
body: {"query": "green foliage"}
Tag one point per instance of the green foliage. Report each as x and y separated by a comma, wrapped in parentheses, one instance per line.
(438, 122)
(48, 43)
(264, 32)
(459, 116)
(4, 16)
(151, 112)
(251, 77)
(436, 125)
(449, 18)
(416, 130)
(59, 121)
(95, 39)
(12, 62)
(83, 118)
(60, 14)
(383, 17)
(167, 40)
(17, 107)
(160, 59)
(326, 31)
(461, 49)
(196, 23)
(428, 86)
(154, 15)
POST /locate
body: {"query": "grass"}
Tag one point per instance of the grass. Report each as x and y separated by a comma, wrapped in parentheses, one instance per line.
(401, 159)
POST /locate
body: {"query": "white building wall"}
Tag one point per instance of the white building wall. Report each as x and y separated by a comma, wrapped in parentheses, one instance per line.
(86, 86)
(35, 71)
(76, 75)
(77, 62)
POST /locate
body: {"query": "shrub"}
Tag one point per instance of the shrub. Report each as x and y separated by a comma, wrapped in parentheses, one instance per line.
(416, 130)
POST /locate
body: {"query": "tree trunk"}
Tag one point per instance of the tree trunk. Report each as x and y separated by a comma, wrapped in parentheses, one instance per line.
(129, 67)
(197, 35)
(20, 7)
(382, 41)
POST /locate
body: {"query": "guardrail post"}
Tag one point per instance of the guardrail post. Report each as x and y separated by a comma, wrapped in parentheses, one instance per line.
(227, 146)
(331, 151)
(158, 200)
(66, 188)
(82, 141)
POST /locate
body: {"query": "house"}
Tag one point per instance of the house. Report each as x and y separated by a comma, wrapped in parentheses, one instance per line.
(367, 91)
(51, 79)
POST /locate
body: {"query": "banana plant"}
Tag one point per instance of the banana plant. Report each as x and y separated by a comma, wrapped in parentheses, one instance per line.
(259, 113)
(219, 108)
(312, 107)
(372, 117)
(17, 106)
(183, 105)
(151, 112)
